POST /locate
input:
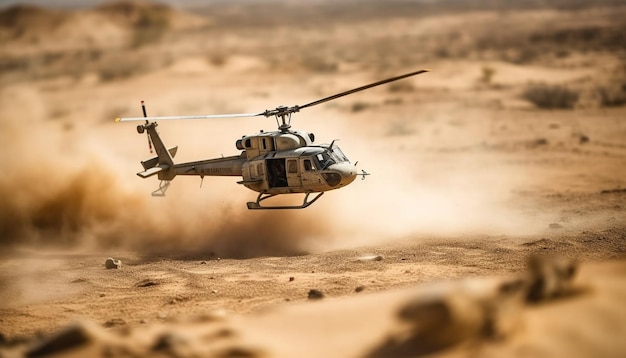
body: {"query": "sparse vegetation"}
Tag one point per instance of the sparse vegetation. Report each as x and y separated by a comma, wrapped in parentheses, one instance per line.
(611, 97)
(551, 96)
(360, 106)
(150, 26)
(118, 70)
(320, 65)
(402, 86)
(218, 59)
(487, 74)
(536, 143)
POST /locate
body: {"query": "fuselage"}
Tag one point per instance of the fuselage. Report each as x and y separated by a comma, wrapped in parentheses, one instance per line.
(302, 170)
(279, 162)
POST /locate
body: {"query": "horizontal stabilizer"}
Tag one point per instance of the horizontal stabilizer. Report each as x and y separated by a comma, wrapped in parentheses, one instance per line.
(152, 171)
(152, 162)
(173, 151)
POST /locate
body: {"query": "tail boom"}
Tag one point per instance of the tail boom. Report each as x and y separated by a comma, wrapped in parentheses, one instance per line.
(227, 166)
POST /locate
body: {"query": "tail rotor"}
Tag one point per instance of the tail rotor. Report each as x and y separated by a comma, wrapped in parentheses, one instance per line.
(141, 128)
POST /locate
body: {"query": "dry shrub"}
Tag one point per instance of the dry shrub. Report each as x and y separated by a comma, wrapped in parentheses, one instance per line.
(150, 27)
(360, 106)
(320, 65)
(401, 86)
(611, 97)
(117, 71)
(487, 74)
(551, 96)
(218, 59)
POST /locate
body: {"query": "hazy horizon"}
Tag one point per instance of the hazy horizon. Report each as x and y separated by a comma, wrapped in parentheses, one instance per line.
(90, 3)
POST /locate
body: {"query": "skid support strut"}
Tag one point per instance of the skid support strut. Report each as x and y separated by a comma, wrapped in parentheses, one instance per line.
(163, 185)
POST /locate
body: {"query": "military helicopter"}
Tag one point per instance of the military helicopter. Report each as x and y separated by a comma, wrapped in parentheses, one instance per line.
(271, 163)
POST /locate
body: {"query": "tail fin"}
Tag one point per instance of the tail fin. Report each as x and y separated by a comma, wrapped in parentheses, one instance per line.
(163, 163)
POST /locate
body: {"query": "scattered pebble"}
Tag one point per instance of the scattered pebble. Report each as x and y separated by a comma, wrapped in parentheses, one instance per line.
(102, 294)
(112, 263)
(114, 322)
(203, 263)
(213, 291)
(315, 294)
(291, 278)
(359, 288)
(371, 258)
(211, 316)
(146, 283)
(583, 139)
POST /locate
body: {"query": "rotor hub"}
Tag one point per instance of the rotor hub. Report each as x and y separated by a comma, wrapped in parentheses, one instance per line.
(283, 116)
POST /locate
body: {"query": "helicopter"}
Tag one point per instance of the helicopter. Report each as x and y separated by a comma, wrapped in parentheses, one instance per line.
(271, 163)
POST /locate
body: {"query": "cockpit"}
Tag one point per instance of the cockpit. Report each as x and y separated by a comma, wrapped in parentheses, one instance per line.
(329, 157)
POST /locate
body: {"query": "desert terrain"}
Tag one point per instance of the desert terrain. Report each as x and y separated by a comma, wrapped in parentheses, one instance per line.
(501, 170)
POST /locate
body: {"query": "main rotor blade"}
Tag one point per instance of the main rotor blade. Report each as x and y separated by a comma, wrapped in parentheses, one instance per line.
(211, 116)
(330, 98)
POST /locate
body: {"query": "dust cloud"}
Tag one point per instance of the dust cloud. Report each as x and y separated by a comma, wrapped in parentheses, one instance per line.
(89, 209)
(424, 186)
(67, 186)
(76, 188)
(71, 181)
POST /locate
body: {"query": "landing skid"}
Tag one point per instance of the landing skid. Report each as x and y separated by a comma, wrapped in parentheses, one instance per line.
(257, 205)
(163, 185)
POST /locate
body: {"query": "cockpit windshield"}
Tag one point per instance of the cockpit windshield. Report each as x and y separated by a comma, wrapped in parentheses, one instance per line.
(329, 157)
(338, 155)
(324, 160)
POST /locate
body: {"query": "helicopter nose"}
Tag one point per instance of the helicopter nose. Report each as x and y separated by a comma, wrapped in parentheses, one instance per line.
(346, 171)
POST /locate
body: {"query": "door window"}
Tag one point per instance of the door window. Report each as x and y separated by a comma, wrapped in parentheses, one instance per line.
(292, 166)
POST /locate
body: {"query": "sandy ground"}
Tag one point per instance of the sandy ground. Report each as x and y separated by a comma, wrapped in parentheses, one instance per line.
(470, 179)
